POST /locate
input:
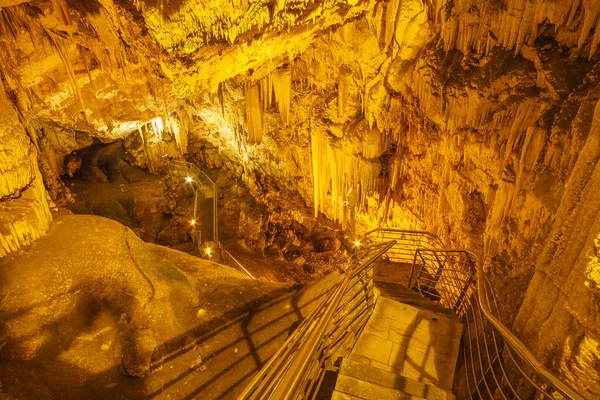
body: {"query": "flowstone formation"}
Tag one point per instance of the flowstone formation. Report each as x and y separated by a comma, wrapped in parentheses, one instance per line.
(24, 210)
(477, 120)
(593, 268)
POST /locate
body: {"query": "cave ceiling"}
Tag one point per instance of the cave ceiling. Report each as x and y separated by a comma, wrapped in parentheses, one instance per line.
(101, 66)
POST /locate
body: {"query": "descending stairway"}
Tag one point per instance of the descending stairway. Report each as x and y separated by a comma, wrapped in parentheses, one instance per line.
(374, 338)
(406, 351)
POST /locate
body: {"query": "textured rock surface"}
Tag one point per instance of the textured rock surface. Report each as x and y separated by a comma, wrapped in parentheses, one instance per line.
(24, 211)
(90, 302)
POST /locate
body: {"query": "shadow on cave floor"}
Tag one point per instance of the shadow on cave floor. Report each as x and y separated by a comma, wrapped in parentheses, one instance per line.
(67, 304)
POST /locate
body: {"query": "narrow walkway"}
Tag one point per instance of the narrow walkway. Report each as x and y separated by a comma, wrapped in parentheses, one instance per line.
(408, 350)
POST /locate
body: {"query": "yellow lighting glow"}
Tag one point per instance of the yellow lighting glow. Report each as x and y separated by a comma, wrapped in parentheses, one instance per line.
(208, 251)
(189, 179)
(193, 222)
(357, 243)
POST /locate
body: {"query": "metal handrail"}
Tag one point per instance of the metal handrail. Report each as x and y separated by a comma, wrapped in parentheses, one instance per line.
(468, 296)
(205, 182)
(456, 280)
(232, 262)
(452, 277)
(186, 169)
(298, 368)
(407, 242)
(518, 346)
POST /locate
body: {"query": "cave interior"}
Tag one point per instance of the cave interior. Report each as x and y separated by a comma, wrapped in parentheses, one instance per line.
(287, 199)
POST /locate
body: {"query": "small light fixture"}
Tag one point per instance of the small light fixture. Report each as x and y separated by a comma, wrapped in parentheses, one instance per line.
(357, 243)
(208, 252)
(193, 222)
(189, 179)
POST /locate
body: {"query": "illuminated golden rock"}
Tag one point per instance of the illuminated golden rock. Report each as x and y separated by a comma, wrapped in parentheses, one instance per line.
(475, 119)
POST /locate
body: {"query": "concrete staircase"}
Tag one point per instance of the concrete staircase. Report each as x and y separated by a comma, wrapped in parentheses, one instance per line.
(408, 350)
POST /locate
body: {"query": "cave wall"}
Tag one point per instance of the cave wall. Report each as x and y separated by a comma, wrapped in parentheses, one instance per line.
(24, 210)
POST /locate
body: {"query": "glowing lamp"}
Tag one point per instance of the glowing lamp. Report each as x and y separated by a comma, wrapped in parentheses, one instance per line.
(357, 243)
(189, 179)
(208, 251)
(193, 222)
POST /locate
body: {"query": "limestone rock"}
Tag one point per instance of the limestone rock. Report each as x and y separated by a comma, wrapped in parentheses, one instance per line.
(137, 352)
(592, 273)
(104, 304)
(24, 210)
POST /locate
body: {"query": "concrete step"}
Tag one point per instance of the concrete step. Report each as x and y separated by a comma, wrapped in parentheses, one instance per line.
(336, 395)
(359, 389)
(393, 381)
(388, 271)
(402, 294)
(411, 342)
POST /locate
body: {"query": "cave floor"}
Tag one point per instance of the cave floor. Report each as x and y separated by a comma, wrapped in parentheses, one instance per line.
(74, 302)
(268, 269)
(108, 185)
(113, 200)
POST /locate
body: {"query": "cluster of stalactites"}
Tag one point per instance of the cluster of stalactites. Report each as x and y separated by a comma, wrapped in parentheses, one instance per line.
(103, 45)
(343, 91)
(275, 89)
(338, 166)
(465, 27)
(151, 134)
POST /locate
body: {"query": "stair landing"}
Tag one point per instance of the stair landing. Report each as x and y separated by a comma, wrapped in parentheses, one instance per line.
(401, 348)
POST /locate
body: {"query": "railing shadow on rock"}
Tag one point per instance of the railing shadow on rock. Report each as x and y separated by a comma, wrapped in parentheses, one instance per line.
(297, 370)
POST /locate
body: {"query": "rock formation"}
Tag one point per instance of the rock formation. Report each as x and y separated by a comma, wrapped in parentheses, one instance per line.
(23, 199)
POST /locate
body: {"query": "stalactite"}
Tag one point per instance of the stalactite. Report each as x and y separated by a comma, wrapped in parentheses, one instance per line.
(254, 114)
(146, 153)
(275, 88)
(388, 24)
(340, 165)
(475, 25)
(343, 91)
(221, 96)
(61, 8)
(87, 70)
(181, 137)
(57, 43)
(282, 88)
(266, 92)
(319, 169)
